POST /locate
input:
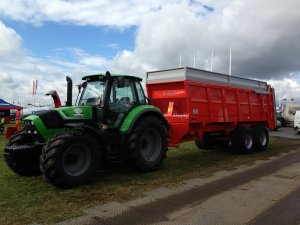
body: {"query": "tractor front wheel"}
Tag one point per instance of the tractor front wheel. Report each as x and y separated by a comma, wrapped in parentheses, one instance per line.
(148, 144)
(70, 159)
(20, 156)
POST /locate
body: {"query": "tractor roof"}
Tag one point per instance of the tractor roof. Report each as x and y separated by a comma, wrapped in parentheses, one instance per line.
(101, 76)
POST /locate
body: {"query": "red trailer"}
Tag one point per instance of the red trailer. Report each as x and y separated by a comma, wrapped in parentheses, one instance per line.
(213, 109)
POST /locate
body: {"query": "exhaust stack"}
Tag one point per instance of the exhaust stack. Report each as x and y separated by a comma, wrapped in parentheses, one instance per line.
(55, 97)
(69, 91)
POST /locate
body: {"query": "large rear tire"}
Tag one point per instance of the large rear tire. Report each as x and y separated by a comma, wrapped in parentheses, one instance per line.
(205, 142)
(242, 140)
(261, 137)
(70, 159)
(24, 163)
(147, 144)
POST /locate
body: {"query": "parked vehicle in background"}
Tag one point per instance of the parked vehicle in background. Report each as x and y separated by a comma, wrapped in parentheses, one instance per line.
(287, 114)
(34, 110)
(297, 122)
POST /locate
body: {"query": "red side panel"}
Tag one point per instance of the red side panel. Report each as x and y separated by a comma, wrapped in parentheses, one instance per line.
(193, 107)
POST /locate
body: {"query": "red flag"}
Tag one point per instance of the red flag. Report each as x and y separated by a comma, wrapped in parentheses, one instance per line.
(34, 86)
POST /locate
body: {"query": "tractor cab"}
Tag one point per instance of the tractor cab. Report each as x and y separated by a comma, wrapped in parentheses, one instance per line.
(113, 96)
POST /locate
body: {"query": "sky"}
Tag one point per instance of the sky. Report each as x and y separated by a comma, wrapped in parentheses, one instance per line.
(49, 40)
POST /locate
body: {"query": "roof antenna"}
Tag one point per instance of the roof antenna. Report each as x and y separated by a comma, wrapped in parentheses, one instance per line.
(194, 59)
(230, 61)
(179, 60)
(211, 60)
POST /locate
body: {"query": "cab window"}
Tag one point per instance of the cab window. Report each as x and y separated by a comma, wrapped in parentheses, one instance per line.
(122, 99)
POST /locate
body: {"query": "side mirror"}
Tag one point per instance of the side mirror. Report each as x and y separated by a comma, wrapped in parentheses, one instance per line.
(121, 82)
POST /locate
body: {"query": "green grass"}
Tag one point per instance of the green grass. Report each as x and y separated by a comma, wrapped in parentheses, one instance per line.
(26, 200)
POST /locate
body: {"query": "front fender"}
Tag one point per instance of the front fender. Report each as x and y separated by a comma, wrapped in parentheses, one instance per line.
(82, 126)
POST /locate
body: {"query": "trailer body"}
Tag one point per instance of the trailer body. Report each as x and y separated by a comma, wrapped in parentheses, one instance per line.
(197, 102)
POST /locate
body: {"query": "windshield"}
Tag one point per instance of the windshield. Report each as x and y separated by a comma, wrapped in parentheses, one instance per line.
(92, 93)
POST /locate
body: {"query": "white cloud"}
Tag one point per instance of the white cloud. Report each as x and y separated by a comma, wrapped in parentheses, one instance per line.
(10, 43)
(264, 37)
(114, 45)
(286, 88)
(82, 12)
(16, 79)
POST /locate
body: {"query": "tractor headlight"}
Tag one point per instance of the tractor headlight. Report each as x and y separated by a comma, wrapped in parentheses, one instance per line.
(28, 122)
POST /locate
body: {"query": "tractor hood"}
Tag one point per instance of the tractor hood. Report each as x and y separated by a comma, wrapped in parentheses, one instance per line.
(76, 112)
(50, 122)
(59, 117)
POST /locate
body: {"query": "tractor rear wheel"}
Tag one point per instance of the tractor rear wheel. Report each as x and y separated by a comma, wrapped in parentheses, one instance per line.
(22, 160)
(70, 159)
(242, 140)
(147, 144)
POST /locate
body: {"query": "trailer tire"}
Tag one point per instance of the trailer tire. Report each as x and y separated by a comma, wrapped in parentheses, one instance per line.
(261, 137)
(222, 144)
(70, 159)
(242, 140)
(147, 144)
(28, 168)
(205, 142)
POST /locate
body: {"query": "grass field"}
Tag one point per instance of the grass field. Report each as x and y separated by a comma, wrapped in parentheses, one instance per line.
(26, 200)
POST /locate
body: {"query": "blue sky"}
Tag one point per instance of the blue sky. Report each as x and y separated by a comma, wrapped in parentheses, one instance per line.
(50, 37)
(47, 40)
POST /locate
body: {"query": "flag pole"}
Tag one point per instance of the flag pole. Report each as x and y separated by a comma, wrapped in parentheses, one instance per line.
(179, 60)
(211, 60)
(230, 61)
(194, 59)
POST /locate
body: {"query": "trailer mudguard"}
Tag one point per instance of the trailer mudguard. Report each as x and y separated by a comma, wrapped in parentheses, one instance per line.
(137, 113)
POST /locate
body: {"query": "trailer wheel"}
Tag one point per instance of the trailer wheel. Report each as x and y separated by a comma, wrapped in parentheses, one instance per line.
(147, 144)
(70, 159)
(29, 165)
(261, 137)
(242, 140)
(205, 142)
(222, 144)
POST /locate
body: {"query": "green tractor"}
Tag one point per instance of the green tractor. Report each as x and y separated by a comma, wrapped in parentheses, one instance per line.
(112, 122)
